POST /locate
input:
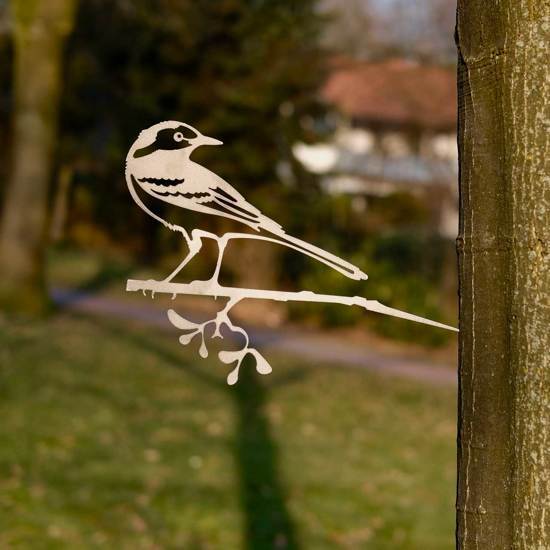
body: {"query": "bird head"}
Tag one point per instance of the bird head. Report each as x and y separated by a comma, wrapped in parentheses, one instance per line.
(169, 136)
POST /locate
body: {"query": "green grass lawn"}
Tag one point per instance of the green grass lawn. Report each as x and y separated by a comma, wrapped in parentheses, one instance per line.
(115, 436)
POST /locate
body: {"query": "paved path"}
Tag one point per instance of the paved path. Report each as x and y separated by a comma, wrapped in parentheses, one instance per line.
(310, 346)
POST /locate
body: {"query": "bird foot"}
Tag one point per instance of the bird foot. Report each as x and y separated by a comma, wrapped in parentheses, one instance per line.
(206, 285)
(151, 283)
(156, 286)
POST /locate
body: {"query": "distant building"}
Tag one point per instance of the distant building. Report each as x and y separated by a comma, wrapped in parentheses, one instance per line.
(394, 129)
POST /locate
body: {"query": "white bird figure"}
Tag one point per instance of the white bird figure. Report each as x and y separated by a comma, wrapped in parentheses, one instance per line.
(159, 166)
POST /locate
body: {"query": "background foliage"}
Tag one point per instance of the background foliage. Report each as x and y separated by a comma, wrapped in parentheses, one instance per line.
(247, 73)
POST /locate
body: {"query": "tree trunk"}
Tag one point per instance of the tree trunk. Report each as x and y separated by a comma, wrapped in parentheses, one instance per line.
(503, 499)
(40, 29)
(60, 207)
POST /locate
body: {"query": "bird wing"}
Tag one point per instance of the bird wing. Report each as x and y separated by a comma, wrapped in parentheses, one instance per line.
(233, 203)
(205, 192)
(228, 199)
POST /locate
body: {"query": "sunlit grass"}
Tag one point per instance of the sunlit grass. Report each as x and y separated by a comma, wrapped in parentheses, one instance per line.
(116, 436)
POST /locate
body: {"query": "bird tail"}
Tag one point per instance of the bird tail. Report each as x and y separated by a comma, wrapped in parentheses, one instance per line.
(346, 268)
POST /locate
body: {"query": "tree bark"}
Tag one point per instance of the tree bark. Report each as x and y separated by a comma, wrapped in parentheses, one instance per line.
(503, 497)
(40, 29)
(60, 207)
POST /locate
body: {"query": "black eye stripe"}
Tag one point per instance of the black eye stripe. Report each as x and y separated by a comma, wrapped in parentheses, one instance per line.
(187, 133)
(166, 140)
(144, 151)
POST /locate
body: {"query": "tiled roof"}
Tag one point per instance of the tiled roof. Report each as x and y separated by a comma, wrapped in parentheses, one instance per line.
(396, 92)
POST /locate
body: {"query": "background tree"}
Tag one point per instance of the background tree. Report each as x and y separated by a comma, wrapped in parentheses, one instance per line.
(245, 72)
(374, 29)
(39, 30)
(504, 409)
(248, 72)
(350, 27)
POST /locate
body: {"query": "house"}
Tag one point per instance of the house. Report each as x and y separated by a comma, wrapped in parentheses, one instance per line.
(393, 128)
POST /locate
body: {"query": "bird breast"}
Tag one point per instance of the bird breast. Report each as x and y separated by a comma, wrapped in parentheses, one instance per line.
(160, 165)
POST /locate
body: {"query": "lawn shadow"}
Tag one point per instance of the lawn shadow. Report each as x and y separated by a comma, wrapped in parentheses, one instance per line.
(268, 524)
(263, 496)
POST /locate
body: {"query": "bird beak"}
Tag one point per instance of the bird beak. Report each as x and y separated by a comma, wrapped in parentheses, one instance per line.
(205, 140)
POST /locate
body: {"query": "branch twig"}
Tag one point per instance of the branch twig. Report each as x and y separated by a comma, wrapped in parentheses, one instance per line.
(215, 290)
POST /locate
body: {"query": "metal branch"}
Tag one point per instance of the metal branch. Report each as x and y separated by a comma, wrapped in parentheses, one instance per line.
(215, 290)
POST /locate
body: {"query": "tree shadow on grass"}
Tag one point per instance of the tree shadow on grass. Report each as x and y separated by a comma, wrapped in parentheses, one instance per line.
(263, 497)
(268, 524)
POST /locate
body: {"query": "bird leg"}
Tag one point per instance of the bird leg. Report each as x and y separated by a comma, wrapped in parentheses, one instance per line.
(195, 244)
(222, 243)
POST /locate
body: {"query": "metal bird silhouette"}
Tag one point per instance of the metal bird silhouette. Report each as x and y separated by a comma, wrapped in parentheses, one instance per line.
(159, 166)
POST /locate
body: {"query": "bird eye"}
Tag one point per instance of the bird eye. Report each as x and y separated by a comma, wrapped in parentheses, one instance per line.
(178, 136)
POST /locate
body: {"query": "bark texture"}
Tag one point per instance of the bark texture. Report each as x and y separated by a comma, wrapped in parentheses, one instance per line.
(40, 29)
(503, 499)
